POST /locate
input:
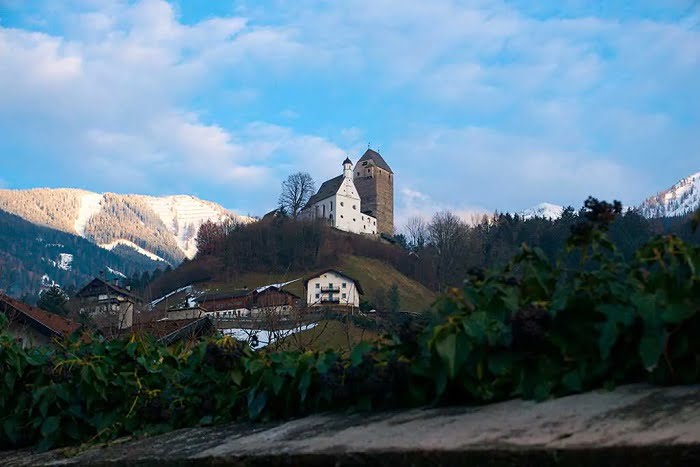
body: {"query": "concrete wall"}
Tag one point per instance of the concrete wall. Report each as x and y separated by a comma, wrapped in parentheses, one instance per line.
(348, 295)
(28, 335)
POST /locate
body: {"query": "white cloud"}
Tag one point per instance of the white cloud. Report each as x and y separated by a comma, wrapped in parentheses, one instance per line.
(110, 97)
(412, 203)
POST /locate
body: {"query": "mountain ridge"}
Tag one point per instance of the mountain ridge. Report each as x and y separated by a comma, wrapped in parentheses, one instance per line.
(163, 227)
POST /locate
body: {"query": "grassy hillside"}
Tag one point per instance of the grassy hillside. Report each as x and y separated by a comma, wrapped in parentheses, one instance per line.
(328, 334)
(373, 274)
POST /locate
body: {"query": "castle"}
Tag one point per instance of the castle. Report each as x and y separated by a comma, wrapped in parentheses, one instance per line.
(361, 200)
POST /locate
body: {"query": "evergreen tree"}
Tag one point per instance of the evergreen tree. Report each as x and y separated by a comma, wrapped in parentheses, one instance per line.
(393, 299)
(54, 300)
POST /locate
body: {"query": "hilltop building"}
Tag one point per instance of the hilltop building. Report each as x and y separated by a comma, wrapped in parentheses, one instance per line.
(361, 200)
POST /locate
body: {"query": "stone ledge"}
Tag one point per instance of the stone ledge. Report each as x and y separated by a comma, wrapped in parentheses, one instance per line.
(631, 426)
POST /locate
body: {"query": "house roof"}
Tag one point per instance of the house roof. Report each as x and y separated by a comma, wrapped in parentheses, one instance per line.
(169, 331)
(347, 161)
(49, 324)
(85, 291)
(328, 189)
(278, 289)
(340, 273)
(371, 155)
(207, 297)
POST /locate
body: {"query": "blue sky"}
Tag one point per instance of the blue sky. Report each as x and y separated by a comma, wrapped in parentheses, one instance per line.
(477, 105)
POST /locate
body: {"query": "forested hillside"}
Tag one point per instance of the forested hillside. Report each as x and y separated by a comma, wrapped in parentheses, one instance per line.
(159, 227)
(437, 253)
(32, 256)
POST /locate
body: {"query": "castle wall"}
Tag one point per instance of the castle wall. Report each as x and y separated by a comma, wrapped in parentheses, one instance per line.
(376, 189)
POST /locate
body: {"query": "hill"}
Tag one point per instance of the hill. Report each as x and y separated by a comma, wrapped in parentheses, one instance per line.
(376, 277)
(32, 257)
(162, 228)
(678, 200)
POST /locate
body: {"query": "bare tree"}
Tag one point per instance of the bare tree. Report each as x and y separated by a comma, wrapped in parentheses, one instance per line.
(447, 234)
(296, 191)
(417, 231)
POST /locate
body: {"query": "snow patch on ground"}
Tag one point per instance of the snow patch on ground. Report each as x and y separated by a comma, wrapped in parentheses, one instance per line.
(90, 204)
(187, 288)
(278, 286)
(110, 246)
(264, 338)
(115, 272)
(65, 261)
(543, 210)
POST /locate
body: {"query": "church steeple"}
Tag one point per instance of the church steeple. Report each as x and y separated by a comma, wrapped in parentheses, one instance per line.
(347, 168)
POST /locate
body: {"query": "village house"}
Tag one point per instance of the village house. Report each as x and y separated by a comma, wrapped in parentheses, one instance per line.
(332, 288)
(33, 327)
(248, 302)
(109, 304)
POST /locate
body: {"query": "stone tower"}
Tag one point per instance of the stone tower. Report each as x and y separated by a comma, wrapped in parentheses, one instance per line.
(374, 181)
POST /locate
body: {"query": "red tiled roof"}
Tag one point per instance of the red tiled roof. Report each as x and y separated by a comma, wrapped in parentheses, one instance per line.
(43, 320)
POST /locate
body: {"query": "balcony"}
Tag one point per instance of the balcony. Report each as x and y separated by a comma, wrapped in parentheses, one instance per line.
(330, 300)
(330, 289)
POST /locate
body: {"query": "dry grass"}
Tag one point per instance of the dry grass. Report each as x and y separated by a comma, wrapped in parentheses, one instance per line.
(373, 274)
(328, 334)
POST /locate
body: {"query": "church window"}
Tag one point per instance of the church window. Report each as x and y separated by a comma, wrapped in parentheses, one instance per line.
(324, 210)
(331, 203)
(354, 220)
(342, 203)
(342, 216)
(354, 206)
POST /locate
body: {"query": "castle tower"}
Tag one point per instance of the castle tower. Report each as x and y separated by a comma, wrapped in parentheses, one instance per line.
(374, 181)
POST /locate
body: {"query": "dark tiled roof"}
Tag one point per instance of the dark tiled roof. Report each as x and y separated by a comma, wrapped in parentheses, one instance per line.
(44, 322)
(169, 331)
(347, 161)
(327, 190)
(371, 155)
(208, 297)
(340, 273)
(84, 292)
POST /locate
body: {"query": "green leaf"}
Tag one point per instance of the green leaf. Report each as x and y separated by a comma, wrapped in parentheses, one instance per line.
(50, 426)
(607, 339)
(677, 313)
(359, 352)
(256, 404)
(651, 346)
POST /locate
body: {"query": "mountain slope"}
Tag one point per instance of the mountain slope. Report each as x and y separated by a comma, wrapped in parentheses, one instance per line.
(164, 227)
(32, 257)
(680, 199)
(545, 210)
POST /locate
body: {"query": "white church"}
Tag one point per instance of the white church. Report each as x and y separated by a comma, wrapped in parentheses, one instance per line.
(339, 202)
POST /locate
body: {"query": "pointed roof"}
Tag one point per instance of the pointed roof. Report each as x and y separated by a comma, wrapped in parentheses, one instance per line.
(327, 190)
(347, 161)
(46, 323)
(89, 289)
(374, 156)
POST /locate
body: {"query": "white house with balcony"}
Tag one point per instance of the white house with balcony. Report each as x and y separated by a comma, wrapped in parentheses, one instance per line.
(332, 288)
(338, 201)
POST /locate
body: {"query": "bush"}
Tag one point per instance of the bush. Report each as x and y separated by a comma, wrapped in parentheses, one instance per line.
(532, 329)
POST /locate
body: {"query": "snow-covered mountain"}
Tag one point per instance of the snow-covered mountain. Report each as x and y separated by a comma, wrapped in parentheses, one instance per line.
(682, 198)
(162, 228)
(545, 210)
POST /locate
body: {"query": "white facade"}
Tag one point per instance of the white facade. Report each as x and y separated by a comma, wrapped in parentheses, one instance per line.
(343, 207)
(332, 289)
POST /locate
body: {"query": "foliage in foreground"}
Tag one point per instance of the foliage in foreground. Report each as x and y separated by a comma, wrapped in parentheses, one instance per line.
(532, 329)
